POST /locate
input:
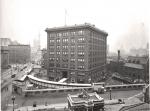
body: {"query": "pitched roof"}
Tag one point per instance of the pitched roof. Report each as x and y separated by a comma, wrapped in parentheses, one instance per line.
(132, 65)
(142, 60)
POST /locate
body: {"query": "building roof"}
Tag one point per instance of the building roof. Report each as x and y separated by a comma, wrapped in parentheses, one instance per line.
(84, 98)
(57, 83)
(4, 48)
(86, 25)
(18, 45)
(133, 65)
(22, 79)
(142, 60)
(78, 99)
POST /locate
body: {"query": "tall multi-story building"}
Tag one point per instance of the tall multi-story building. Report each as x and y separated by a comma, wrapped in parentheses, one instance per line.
(19, 54)
(76, 52)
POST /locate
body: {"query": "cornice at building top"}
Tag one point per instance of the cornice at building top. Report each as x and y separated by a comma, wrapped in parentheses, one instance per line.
(86, 25)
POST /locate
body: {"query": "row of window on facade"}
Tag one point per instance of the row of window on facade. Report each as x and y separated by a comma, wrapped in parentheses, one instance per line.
(64, 40)
(97, 53)
(66, 59)
(80, 53)
(76, 32)
(79, 46)
(81, 39)
(134, 61)
(97, 40)
(81, 60)
(95, 65)
(98, 59)
(66, 46)
(97, 47)
(72, 66)
(67, 52)
(68, 33)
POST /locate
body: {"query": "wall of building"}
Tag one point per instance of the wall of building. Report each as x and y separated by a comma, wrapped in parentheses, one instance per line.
(6, 92)
(4, 57)
(76, 53)
(19, 54)
(44, 60)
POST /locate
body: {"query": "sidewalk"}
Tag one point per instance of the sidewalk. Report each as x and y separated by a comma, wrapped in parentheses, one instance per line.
(49, 106)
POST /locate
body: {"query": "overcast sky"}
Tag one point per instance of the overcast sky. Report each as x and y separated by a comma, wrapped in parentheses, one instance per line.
(126, 21)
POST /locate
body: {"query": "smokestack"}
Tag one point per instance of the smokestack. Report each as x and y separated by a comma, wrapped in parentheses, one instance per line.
(118, 55)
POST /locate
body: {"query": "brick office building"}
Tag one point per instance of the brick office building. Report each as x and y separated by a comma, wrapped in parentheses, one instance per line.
(19, 54)
(137, 68)
(76, 52)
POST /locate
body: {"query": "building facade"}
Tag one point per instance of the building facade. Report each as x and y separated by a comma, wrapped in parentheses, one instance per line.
(137, 68)
(44, 60)
(85, 102)
(5, 41)
(76, 52)
(19, 54)
(4, 57)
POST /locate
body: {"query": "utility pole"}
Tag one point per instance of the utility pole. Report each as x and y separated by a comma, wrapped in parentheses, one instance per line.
(13, 99)
(110, 94)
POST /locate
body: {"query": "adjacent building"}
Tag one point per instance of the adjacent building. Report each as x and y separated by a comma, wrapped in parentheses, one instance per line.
(4, 57)
(5, 41)
(137, 68)
(85, 102)
(19, 54)
(115, 63)
(76, 52)
(44, 60)
(36, 44)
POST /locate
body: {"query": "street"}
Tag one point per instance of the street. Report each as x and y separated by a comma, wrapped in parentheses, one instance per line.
(6, 83)
(28, 101)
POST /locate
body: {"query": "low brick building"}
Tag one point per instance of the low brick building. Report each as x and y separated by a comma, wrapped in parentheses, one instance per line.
(4, 57)
(137, 68)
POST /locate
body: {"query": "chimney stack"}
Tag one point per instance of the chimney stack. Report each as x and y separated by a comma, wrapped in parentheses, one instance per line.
(118, 55)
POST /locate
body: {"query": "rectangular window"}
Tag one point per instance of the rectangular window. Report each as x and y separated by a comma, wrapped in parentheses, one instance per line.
(72, 40)
(80, 66)
(58, 40)
(51, 52)
(51, 40)
(81, 39)
(81, 60)
(65, 40)
(72, 59)
(80, 53)
(65, 65)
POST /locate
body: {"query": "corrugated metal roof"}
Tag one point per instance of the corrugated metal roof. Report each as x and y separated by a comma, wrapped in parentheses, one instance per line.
(142, 60)
(132, 65)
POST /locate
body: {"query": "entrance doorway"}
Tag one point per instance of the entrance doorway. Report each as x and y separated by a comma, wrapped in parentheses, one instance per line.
(64, 74)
